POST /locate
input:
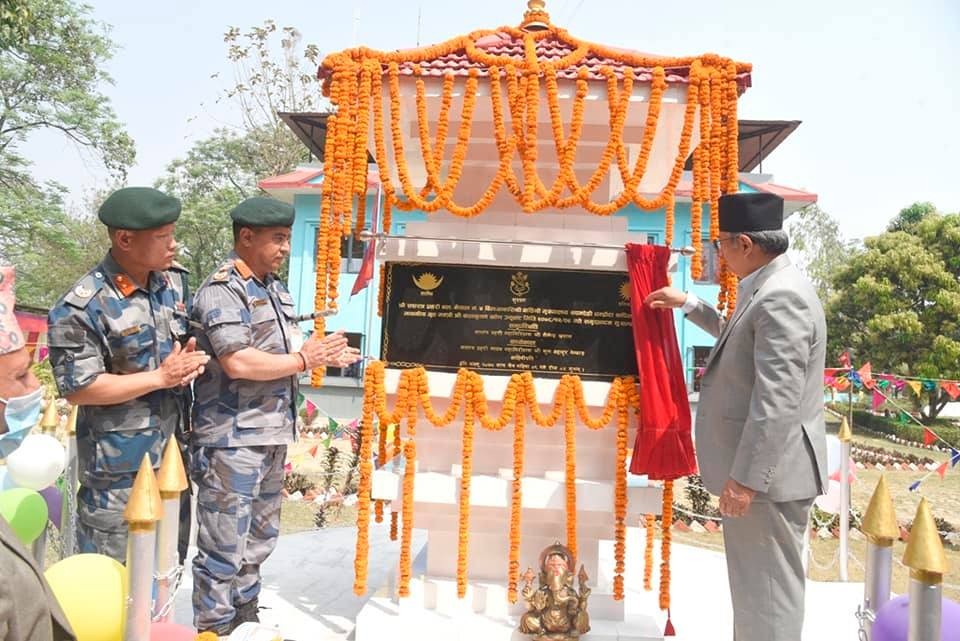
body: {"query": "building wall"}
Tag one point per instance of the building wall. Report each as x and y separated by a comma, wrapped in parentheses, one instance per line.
(340, 397)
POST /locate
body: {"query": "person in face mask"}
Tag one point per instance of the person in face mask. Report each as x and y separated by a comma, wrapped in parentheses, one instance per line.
(28, 609)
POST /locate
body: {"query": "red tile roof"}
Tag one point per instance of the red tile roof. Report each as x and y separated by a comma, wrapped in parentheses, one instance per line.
(301, 179)
(548, 49)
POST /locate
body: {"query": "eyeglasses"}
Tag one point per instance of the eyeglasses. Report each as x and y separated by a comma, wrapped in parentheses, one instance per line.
(716, 243)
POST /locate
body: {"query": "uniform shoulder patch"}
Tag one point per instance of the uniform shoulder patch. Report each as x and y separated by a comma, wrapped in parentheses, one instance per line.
(83, 291)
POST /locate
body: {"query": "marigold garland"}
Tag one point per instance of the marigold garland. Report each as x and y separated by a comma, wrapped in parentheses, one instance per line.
(363, 495)
(650, 521)
(570, 458)
(666, 524)
(393, 525)
(620, 486)
(463, 548)
(354, 81)
(406, 535)
(516, 501)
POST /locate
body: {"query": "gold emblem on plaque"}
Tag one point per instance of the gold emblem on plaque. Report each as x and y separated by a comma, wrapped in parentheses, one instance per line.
(519, 284)
(625, 291)
(427, 281)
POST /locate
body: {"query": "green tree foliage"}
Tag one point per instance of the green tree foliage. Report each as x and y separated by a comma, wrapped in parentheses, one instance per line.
(51, 78)
(897, 303)
(14, 22)
(815, 236)
(223, 169)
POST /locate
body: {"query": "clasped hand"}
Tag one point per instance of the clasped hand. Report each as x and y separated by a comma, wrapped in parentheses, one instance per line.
(331, 350)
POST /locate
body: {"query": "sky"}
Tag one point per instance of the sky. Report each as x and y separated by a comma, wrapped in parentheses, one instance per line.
(873, 82)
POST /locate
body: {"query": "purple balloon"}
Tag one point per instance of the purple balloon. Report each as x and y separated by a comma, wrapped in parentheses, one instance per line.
(893, 620)
(54, 500)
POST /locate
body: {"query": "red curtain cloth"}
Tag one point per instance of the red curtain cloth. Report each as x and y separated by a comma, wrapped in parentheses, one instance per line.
(663, 449)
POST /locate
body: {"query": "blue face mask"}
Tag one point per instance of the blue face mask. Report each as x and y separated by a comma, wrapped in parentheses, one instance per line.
(20, 414)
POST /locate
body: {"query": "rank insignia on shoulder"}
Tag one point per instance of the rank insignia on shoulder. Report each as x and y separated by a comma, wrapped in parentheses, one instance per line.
(221, 275)
(82, 292)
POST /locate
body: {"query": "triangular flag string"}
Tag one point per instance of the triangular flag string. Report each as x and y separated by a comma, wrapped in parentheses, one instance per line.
(942, 469)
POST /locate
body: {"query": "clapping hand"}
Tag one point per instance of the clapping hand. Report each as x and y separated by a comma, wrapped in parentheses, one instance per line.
(183, 365)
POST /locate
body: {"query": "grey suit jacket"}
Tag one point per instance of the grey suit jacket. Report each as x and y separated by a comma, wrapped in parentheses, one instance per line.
(28, 609)
(760, 415)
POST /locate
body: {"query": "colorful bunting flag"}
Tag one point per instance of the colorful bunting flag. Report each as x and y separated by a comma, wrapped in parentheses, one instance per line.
(929, 438)
(829, 381)
(915, 386)
(928, 385)
(313, 451)
(954, 457)
(877, 400)
(842, 384)
(903, 418)
(915, 485)
(866, 377)
(845, 360)
(950, 388)
(855, 379)
(942, 470)
(311, 409)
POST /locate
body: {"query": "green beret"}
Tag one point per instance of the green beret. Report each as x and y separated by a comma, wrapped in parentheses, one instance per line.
(263, 212)
(139, 208)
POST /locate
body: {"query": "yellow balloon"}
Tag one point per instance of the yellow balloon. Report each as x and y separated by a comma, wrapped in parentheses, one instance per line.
(92, 590)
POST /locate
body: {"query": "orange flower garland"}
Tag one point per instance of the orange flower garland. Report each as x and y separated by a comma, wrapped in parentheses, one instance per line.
(363, 492)
(650, 522)
(570, 456)
(464, 520)
(516, 503)
(620, 488)
(468, 395)
(393, 525)
(409, 474)
(666, 525)
(354, 78)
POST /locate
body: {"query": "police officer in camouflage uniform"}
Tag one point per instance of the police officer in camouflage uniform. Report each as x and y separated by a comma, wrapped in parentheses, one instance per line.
(245, 411)
(119, 350)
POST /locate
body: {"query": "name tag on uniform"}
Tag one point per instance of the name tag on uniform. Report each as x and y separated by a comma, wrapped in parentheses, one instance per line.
(258, 302)
(130, 331)
(285, 298)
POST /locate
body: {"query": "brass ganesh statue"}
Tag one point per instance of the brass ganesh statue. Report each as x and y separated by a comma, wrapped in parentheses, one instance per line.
(556, 611)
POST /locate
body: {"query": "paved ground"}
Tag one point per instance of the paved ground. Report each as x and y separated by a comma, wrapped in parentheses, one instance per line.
(308, 589)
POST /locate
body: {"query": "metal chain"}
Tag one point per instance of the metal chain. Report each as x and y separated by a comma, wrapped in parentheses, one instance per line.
(176, 577)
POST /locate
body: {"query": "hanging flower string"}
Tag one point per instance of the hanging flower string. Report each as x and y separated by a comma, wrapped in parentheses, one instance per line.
(353, 79)
(650, 522)
(666, 522)
(468, 395)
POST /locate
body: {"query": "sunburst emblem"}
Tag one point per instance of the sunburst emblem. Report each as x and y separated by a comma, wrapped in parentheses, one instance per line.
(519, 285)
(427, 281)
(625, 291)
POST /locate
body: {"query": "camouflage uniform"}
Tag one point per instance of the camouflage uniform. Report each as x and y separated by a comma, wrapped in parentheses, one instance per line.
(241, 430)
(107, 324)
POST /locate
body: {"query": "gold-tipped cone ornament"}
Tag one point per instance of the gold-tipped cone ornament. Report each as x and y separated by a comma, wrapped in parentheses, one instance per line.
(50, 419)
(144, 507)
(171, 477)
(880, 519)
(72, 419)
(845, 434)
(924, 554)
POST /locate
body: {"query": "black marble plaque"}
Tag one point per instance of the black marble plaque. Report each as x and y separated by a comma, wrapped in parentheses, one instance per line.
(508, 319)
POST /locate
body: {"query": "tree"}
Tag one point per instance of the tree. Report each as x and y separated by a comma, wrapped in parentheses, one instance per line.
(816, 239)
(897, 304)
(911, 216)
(50, 79)
(14, 21)
(50, 248)
(220, 171)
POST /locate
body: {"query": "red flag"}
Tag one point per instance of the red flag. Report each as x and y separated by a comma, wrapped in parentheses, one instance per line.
(866, 376)
(366, 269)
(313, 451)
(943, 468)
(877, 400)
(951, 388)
(929, 438)
(845, 360)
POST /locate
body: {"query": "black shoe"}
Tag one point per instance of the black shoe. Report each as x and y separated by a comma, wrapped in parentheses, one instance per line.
(246, 613)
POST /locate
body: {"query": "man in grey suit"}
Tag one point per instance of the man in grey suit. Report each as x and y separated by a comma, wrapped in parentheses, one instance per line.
(759, 428)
